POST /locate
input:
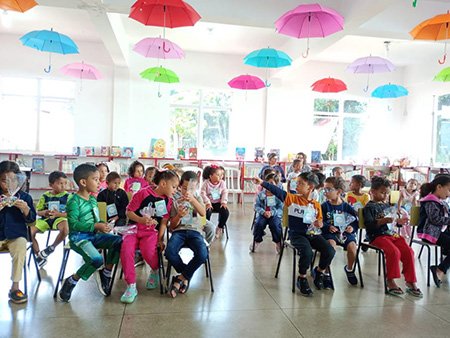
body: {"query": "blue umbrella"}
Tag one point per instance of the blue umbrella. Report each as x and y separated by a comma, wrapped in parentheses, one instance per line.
(268, 58)
(49, 41)
(389, 91)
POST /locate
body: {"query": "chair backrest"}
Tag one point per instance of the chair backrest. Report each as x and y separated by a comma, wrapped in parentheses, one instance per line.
(102, 211)
(414, 216)
(285, 217)
(233, 178)
(394, 197)
(130, 195)
(361, 219)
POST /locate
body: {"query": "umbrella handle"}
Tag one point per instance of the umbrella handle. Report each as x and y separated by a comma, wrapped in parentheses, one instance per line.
(164, 48)
(444, 59)
(49, 69)
(366, 89)
(305, 54)
(267, 84)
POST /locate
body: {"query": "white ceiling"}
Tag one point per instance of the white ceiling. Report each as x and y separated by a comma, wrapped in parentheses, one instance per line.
(237, 27)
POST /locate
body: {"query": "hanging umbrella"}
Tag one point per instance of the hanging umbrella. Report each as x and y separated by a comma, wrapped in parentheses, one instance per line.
(17, 5)
(82, 71)
(161, 75)
(49, 41)
(389, 91)
(436, 28)
(414, 3)
(246, 82)
(443, 75)
(369, 65)
(268, 58)
(310, 21)
(329, 85)
(158, 48)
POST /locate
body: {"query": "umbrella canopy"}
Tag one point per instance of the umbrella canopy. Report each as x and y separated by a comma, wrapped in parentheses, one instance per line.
(443, 76)
(329, 85)
(371, 64)
(164, 13)
(17, 5)
(389, 91)
(246, 82)
(268, 58)
(49, 41)
(158, 48)
(81, 70)
(160, 74)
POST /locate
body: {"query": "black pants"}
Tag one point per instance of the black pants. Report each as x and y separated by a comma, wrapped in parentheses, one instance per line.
(444, 242)
(305, 245)
(223, 214)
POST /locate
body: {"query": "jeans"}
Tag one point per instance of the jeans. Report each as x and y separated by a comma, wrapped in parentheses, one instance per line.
(194, 241)
(274, 226)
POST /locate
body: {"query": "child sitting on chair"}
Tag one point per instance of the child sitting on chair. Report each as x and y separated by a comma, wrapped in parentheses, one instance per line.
(305, 219)
(87, 234)
(149, 174)
(103, 169)
(186, 228)
(135, 180)
(15, 212)
(379, 221)
(340, 223)
(269, 210)
(52, 210)
(116, 200)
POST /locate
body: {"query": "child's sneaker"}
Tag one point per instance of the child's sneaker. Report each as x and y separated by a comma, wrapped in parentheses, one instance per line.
(46, 252)
(303, 286)
(40, 261)
(66, 290)
(17, 296)
(253, 245)
(103, 281)
(152, 281)
(351, 277)
(219, 232)
(328, 282)
(129, 295)
(318, 278)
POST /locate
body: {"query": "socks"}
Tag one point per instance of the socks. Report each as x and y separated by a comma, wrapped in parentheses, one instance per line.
(132, 286)
(72, 280)
(107, 273)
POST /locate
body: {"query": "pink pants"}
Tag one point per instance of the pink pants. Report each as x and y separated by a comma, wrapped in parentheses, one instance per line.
(147, 242)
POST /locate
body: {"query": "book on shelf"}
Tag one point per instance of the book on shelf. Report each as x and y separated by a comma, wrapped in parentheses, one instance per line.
(181, 153)
(252, 170)
(88, 151)
(158, 148)
(316, 156)
(98, 151)
(259, 154)
(116, 151)
(105, 151)
(76, 151)
(240, 153)
(192, 153)
(127, 151)
(37, 164)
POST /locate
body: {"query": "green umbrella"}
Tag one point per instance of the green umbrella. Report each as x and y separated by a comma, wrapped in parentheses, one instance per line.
(443, 76)
(160, 74)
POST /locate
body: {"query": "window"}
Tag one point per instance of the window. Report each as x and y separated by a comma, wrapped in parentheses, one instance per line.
(31, 110)
(338, 126)
(200, 119)
(442, 134)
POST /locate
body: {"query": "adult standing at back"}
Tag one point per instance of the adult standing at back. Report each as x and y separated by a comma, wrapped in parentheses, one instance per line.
(304, 168)
(272, 158)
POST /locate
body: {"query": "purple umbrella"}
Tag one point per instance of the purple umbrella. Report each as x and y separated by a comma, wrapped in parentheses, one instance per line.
(369, 65)
(310, 21)
(158, 48)
(246, 82)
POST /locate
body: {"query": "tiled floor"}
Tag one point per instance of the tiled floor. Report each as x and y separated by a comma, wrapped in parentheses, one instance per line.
(248, 302)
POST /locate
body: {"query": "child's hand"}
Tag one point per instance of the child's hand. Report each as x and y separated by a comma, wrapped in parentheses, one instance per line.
(208, 206)
(257, 180)
(333, 229)
(47, 213)
(223, 205)
(22, 206)
(113, 219)
(402, 221)
(161, 246)
(102, 227)
(148, 221)
(182, 211)
(266, 214)
(318, 224)
(349, 229)
(188, 197)
(387, 220)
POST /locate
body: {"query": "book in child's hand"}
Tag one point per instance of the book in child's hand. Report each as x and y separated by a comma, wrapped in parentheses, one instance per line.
(38, 165)
(116, 151)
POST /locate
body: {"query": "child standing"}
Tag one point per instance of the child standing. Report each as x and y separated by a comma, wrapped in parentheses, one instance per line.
(379, 230)
(135, 181)
(340, 223)
(269, 211)
(116, 200)
(103, 169)
(87, 234)
(52, 210)
(186, 228)
(215, 196)
(150, 209)
(355, 197)
(15, 212)
(305, 216)
(434, 221)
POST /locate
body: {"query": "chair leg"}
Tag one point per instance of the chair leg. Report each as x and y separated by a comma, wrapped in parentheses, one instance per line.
(279, 260)
(420, 252)
(358, 265)
(48, 238)
(161, 272)
(379, 263)
(384, 272)
(113, 277)
(226, 231)
(25, 283)
(168, 269)
(313, 260)
(36, 265)
(62, 270)
(429, 264)
(206, 271)
(208, 263)
(436, 255)
(294, 258)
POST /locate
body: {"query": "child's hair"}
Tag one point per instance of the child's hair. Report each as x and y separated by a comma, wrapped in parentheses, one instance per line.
(189, 175)
(321, 177)
(296, 161)
(164, 175)
(362, 180)
(169, 166)
(304, 156)
(272, 176)
(148, 170)
(55, 175)
(83, 171)
(337, 182)
(211, 170)
(267, 172)
(336, 169)
(271, 155)
(102, 164)
(310, 178)
(9, 166)
(413, 180)
(113, 175)
(429, 188)
(377, 182)
(133, 167)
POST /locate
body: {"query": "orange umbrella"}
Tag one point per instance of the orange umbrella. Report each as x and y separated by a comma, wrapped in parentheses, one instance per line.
(436, 28)
(17, 5)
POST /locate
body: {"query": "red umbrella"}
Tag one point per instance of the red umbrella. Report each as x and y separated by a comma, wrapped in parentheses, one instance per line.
(329, 85)
(164, 13)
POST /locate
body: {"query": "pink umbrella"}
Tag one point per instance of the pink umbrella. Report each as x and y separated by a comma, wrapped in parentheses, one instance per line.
(246, 82)
(81, 70)
(310, 21)
(158, 48)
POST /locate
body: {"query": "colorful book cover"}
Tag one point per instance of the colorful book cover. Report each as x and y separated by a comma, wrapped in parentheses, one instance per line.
(259, 154)
(316, 156)
(105, 151)
(192, 153)
(240, 153)
(158, 148)
(116, 151)
(181, 153)
(98, 151)
(38, 165)
(127, 151)
(88, 151)
(76, 151)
